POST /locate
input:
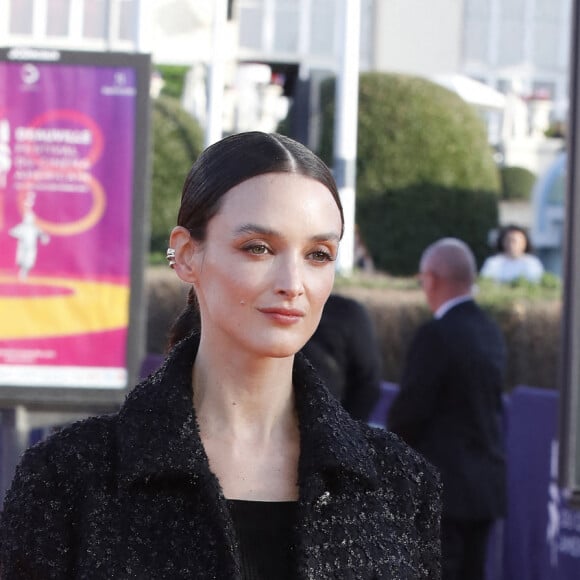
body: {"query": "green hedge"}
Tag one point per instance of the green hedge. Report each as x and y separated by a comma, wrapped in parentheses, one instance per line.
(177, 142)
(516, 183)
(411, 131)
(424, 168)
(400, 224)
(174, 79)
(529, 316)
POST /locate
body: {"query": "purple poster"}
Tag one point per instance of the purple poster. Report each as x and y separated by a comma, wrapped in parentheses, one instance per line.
(66, 184)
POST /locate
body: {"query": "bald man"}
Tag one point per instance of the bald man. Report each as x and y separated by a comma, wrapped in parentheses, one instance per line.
(449, 407)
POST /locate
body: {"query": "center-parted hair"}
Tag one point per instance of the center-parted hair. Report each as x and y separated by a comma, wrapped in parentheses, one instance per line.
(226, 164)
(236, 159)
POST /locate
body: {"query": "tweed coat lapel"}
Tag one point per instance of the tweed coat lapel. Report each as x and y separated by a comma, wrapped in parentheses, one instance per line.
(332, 444)
(158, 431)
(158, 439)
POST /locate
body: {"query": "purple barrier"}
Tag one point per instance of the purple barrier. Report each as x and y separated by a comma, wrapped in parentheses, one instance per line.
(378, 417)
(542, 532)
(150, 364)
(494, 564)
(540, 538)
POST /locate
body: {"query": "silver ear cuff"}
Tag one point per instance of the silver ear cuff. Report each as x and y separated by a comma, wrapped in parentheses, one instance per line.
(170, 257)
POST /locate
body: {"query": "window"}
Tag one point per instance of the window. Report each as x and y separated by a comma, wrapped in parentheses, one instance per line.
(511, 43)
(95, 19)
(57, 17)
(476, 40)
(322, 37)
(251, 22)
(127, 20)
(286, 27)
(21, 16)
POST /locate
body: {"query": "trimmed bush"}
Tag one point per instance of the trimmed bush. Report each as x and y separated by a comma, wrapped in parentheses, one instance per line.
(532, 331)
(411, 130)
(177, 142)
(174, 79)
(529, 316)
(516, 183)
(400, 224)
(420, 140)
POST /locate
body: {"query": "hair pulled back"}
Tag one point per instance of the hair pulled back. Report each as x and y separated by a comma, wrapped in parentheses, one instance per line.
(224, 165)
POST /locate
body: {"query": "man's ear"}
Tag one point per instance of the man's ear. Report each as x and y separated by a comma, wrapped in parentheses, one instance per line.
(185, 253)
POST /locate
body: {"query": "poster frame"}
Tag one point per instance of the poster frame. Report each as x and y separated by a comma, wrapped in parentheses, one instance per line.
(96, 398)
(569, 407)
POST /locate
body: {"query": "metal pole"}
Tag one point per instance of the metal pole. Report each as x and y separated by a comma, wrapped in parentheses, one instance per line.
(345, 126)
(13, 442)
(569, 428)
(215, 94)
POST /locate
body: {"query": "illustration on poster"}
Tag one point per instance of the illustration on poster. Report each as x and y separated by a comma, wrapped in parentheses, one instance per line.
(28, 234)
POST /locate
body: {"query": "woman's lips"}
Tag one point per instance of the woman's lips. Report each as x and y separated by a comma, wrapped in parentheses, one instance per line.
(283, 315)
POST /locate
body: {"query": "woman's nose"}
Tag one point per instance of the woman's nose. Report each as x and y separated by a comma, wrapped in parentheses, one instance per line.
(289, 277)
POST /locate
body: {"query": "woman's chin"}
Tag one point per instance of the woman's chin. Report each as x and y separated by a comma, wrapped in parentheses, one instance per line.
(280, 349)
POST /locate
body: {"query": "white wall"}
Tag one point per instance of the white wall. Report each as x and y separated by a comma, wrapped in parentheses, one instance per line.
(421, 37)
(180, 32)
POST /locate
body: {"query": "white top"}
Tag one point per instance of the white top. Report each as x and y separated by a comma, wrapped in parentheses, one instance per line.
(503, 268)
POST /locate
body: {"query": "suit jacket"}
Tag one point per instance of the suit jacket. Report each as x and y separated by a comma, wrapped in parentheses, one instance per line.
(449, 408)
(345, 353)
(131, 495)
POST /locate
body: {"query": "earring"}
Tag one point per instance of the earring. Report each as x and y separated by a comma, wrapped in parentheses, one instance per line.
(171, 257)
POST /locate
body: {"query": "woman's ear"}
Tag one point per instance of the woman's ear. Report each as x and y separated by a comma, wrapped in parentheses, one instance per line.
(185, 248)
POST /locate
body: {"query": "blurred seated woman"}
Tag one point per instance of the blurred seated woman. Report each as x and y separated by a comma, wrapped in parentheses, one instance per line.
(514, 258)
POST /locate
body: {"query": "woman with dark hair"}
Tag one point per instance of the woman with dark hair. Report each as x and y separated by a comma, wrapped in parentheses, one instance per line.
(232, 460)
(514, 258)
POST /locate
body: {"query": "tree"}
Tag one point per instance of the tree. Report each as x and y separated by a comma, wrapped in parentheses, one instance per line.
(177, 142)
(423, 158)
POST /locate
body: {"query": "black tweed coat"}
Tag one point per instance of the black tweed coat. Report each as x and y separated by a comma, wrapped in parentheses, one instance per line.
(131, 495)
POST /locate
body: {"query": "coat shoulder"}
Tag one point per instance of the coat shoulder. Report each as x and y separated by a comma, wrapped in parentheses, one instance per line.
(410, 492)
(37, 524)
(393, 457)
(81, 449)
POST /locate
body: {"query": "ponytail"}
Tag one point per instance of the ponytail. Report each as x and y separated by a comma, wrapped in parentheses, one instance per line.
(186, 322)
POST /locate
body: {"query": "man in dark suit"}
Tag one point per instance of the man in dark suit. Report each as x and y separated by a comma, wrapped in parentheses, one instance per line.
(345, 352)
(449, 407)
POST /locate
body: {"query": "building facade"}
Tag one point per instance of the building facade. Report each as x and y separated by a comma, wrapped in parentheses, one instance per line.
(72, 24)
(276, 51)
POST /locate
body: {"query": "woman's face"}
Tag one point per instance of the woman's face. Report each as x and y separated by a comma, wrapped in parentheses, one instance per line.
(514, 244)
(266, 267)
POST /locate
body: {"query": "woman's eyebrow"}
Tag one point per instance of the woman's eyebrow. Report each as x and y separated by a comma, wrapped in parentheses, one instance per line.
(330, 237)
(255, 229)
(263, 231)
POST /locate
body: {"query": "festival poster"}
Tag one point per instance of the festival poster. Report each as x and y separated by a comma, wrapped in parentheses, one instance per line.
(66, 184)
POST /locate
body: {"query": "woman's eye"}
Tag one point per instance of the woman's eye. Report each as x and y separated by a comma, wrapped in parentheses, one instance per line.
(258, 249)
(322, 256)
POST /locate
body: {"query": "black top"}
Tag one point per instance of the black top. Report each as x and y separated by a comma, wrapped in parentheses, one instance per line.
(264, 531)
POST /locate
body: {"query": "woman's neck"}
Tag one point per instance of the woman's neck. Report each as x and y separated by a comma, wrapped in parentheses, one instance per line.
(248, 425)
(242, 398)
